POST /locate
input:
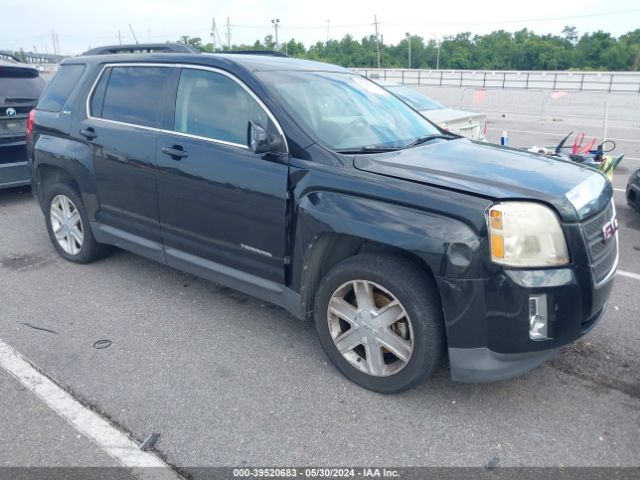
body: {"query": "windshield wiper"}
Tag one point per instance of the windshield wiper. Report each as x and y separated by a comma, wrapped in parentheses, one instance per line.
(428, 138)
(19, 99)
(368, 149)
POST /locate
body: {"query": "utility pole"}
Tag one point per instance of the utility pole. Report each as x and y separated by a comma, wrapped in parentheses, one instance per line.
(53, 41)
(438, 57)
(133, 33)
(119, 37)
(328, 22)
(375, 24)
(228, 34)
(213, 34)
(408, 35)
(276, 24)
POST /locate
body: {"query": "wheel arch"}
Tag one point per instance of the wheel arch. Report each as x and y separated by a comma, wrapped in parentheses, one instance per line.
(47, 175)
(334, 226)
(58, 159)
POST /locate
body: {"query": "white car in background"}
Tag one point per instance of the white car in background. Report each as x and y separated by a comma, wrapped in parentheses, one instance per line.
(468, 124)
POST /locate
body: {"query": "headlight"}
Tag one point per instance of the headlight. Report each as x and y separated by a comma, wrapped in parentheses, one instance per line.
(526, 234)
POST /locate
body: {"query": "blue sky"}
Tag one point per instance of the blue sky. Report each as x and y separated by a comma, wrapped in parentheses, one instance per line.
(89, 23)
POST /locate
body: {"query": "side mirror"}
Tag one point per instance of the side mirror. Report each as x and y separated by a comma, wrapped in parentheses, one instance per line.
(259, 140)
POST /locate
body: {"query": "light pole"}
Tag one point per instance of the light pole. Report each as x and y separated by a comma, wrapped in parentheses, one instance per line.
(276, 24)
(408, 35)
(438, 42)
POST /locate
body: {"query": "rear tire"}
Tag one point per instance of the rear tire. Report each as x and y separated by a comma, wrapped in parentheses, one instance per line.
(68, 226)
(380, 321)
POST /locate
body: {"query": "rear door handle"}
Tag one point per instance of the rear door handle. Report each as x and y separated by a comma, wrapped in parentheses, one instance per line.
(176, 152)
(88, 133)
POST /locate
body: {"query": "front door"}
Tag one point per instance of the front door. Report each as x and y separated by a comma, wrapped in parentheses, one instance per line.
(219, 202)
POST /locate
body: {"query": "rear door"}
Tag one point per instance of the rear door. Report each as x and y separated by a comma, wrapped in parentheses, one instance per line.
(220, 203)
(125, 111)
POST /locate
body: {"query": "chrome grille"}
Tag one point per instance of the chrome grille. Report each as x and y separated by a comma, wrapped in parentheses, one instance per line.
(602, 254)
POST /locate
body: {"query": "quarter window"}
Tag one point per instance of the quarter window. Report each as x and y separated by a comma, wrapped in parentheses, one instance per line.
(60, 87)
(134, 95)
(212, 105)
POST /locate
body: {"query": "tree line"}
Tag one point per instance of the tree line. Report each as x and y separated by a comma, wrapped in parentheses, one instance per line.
(498, 50)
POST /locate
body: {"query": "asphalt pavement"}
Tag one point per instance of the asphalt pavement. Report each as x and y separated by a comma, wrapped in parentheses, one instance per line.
(228, 380)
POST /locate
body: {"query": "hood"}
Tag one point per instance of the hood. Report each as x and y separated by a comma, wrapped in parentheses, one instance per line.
(499, 173)
(448, 115)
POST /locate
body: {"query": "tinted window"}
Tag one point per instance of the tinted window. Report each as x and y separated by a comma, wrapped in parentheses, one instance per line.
(19, 83)
(212, 105)
(60, 87)
(134, 94)
(98, 94)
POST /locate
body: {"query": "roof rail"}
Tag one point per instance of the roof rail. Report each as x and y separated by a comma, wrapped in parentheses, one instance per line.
(267, 53)
(143, 48)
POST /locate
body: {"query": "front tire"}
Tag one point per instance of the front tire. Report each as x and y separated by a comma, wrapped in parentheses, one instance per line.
(380, 321)
(68, 226)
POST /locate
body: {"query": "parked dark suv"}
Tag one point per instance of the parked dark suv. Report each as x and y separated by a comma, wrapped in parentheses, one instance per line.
(311, 187)
(20, 87)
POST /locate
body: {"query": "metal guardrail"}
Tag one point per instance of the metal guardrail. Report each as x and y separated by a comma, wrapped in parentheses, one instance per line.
(32, 57)
(628, 82)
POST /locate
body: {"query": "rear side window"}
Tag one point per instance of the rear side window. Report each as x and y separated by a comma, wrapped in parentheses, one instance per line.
(134, 95)
(97, 98)
(19, 84)
(60, 87)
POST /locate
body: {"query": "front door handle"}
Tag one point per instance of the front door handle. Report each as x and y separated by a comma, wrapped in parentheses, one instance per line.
(88, 133)
(176, 152)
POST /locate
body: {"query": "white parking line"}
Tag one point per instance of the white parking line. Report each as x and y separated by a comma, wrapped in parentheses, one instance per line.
(111, 440)
(635, 276)
(620, 190)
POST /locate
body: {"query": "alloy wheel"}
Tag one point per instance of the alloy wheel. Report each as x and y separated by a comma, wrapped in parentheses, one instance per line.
(66, 224)
(370, 328)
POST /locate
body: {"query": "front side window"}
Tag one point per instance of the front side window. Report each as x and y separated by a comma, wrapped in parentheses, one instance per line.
(133, 95)
(212, 105)
(345, 111)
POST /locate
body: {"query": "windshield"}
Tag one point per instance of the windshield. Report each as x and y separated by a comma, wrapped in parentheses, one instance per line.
(415, 99)
(348, 112)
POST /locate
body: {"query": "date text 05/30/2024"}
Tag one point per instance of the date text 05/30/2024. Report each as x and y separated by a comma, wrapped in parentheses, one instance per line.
(316, 472)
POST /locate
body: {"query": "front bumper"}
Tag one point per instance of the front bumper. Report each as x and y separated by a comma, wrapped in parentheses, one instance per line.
(487, 320)
(484, 365)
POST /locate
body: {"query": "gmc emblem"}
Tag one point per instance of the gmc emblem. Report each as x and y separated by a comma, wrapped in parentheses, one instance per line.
(610, 228)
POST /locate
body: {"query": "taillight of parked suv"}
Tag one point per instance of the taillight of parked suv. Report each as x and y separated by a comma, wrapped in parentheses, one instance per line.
(30, 119)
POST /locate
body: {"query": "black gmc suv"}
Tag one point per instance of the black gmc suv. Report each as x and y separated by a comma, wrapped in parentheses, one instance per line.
(313, 188)
(20, 87)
